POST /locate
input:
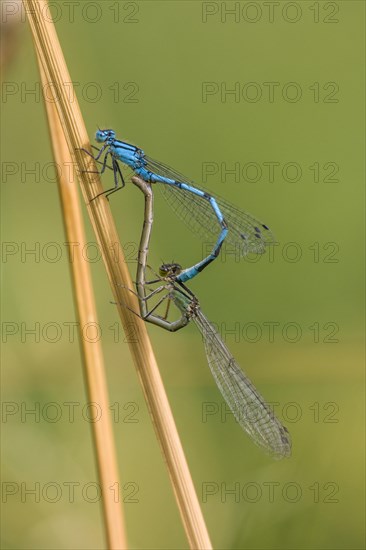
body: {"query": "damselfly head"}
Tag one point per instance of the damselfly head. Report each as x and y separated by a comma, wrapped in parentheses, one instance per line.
(103, 135)
(170, 270)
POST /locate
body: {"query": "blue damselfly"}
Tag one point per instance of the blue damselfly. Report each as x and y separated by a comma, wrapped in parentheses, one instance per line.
(197, 207)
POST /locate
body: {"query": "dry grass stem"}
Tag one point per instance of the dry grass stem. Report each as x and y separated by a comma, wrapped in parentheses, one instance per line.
(91, 351)
(53, 63)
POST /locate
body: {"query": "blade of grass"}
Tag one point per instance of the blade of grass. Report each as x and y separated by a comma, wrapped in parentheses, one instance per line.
(53, 63)
(94, 368)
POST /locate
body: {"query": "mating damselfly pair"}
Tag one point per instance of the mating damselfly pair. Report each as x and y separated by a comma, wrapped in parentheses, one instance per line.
(203, 213)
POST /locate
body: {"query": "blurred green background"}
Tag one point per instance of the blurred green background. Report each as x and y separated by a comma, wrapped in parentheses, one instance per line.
(143, 68)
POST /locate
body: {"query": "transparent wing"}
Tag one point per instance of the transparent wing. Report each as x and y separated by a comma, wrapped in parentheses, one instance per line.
(247, 405)
(245, 231)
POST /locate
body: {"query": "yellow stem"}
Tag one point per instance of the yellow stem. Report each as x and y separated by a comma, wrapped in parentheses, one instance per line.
(94, 368)
(53, 63)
